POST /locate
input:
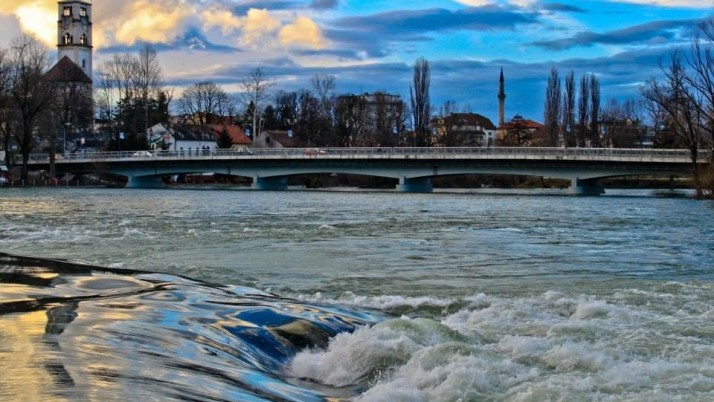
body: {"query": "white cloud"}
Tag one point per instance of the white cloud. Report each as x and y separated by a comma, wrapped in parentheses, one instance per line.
(672, 3)
(474, 3)
(303, 32)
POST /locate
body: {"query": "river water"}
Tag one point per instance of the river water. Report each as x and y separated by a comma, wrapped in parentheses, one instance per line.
(371, 296)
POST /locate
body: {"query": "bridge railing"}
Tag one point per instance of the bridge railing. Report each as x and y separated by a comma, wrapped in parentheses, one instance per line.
(614, 154)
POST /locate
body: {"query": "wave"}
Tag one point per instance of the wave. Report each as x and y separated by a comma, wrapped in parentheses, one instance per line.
(77, 331)
(87, 332)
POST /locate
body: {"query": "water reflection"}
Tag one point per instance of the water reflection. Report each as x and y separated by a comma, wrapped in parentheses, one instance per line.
(78, 332)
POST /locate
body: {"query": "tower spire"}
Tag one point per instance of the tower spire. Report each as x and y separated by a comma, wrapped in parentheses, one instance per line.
(501, 100)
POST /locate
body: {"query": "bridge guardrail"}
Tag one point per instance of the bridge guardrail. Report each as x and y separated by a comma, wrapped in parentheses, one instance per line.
(614, 154)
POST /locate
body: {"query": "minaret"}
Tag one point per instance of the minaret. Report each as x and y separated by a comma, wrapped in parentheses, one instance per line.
(74, 33)
(501, 100)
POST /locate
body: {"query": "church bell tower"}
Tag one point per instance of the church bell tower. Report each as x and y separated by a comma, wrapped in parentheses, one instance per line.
(74, 33)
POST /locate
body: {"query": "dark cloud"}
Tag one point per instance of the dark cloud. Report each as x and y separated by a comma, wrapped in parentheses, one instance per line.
(418, 22)
(323, 4)
(560, 7)
(653, 32)
(191, 39)
(341, 55)
(378, 35)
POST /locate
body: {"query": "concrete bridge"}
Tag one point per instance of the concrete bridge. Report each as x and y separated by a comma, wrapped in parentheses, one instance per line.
(413, 167)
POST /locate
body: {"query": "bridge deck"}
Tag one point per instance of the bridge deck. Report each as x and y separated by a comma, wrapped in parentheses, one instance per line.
(581, 154)
(413, 167)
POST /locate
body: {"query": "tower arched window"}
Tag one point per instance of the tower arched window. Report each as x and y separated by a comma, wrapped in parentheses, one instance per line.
(67, 39)
(83, 39)
(67, 11)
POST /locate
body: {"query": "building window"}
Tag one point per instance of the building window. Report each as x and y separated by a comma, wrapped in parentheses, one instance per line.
(84, 63)
(67, 39)
(83, 39)
(67, 12)
(83, 12)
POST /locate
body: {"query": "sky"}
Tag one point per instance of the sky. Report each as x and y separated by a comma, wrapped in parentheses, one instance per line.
(372, 45)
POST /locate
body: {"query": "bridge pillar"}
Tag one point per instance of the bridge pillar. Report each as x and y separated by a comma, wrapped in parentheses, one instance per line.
(144, 182)
(585, 187)
(270, 183)
(417, 185)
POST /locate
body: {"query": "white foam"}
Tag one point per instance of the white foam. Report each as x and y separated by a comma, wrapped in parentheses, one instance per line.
(370, 352)
(384, 302)
(592, 309)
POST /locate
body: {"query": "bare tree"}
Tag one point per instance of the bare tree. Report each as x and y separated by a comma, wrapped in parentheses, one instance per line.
(204, 99)
(286, 109)
(31, 95)
(420, 102)
(255, 92)
(551, 113)
(594, 111)
(682, 117)
(568, 121)
(700, 61)
(324, 86)
(351, 111)
(443, 130)
(4, 115)
(147, 78)
(105, 95)
(583, 112)
(620, 123)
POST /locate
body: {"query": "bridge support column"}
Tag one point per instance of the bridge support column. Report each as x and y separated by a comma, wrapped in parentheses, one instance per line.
(417, 185)
(144, 182)
(585, 187)
(270, 183)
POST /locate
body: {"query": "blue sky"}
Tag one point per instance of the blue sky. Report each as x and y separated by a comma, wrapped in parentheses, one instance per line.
(372, 45)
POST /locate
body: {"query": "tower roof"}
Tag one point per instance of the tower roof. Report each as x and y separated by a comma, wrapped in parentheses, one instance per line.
(67, 71)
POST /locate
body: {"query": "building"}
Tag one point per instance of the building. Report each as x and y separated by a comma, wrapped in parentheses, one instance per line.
(74, 33)
(192, 138)
(73, 118)
(463, 130)
(275, 139)
(371, 119)
(238, 137)
(520, 132)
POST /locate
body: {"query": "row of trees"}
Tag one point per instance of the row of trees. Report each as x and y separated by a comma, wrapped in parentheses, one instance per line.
(30, 102)
(681, 103)
(569, 121)
(679, 107)
(318, 116)
(130, 98)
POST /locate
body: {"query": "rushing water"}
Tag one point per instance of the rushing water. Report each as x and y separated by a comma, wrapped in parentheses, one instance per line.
(374, 296)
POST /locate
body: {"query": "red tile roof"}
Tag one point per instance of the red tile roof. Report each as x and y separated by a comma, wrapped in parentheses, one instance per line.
(236, 133)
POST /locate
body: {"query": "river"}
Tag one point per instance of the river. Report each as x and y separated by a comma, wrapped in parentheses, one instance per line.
(364, 295)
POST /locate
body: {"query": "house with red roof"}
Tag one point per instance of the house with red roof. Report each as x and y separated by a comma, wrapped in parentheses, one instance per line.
(520, 132)
(275, 139)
